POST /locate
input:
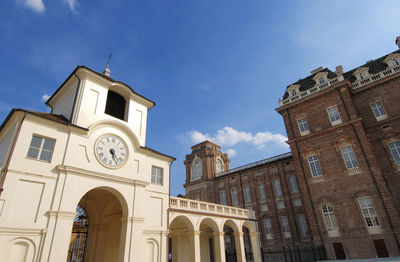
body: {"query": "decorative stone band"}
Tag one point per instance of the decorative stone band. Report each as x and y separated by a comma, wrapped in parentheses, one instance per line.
(238, 234)
(61, 214)
(22, 231)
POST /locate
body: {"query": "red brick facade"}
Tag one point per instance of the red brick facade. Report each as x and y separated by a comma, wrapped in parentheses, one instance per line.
(346, 162)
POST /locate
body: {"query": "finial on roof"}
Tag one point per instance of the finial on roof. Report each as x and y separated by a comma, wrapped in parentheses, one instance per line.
(107, 71)
(398, 42)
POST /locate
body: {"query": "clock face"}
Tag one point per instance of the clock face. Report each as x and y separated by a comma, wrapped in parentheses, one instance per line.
(111, 151)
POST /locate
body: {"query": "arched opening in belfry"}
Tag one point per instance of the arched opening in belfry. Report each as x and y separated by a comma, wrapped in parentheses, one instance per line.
(209, 241)
(115, 105)
(181, 232)
(99, 213)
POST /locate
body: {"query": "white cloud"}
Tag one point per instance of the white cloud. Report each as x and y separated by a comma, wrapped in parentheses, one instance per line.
(71, 4)
(231, 152)
(36, 5)
(45, 97)
(228, 136)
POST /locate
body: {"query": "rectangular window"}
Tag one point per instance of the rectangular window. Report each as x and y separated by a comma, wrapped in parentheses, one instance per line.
(285, 227)
(156, 175)
(261, 191)
(235, 199)
(222, 196)
(293, 184)
(379, 111)
(394, 148)
(247, 195)
(197, 197)
(264, 208)
(277, 188)
(334, 116)
(280, 204)
(301, 219)
(350, 159)
(368, 211)
(41, 148)
(296, 202)
(329, 217)
(315, 167)
(303, 126)
(268, 228)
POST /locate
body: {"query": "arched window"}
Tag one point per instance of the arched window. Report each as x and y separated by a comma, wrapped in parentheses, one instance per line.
(321, 80)
(294, 92)
(219, 165)
(197, 170)
(395, 62)
(115, 105)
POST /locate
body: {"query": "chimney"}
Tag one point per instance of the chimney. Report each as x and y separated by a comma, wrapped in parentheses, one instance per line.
(339, 70)
(317, 70)
(398, 42)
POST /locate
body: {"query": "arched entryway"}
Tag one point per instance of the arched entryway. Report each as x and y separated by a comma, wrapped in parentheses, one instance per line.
(182, 235)
(80, 228)
(105, 233)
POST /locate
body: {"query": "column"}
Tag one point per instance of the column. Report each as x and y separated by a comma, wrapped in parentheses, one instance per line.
(164, 246)
(125, 239)
(255, 246)
(219, 246)
(239, 245)
(195, 247)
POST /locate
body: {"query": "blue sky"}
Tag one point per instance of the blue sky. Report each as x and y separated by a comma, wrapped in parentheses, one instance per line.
(216, 69)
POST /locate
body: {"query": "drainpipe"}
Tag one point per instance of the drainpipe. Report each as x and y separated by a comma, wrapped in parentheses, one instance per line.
(75, 98)
(15, 138)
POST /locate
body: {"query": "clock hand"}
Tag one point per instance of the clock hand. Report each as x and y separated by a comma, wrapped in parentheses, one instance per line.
(112, 152)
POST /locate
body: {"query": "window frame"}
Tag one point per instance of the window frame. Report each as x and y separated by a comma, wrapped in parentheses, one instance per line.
(235, 197)
(334, 116)
(222, 196)
(369, 214)
(266, 209)
(396, 155)
(303, 125)
(268, 228)
(277, 188)
(330, 221)
(350, 159)
(158, 178)
(247, 193)
(193, 174)
(315, 165)
(293, 187)
(284, 221)
(40, 148)
(261, 191)
(303, 226)
(280, 204)
(378, 110)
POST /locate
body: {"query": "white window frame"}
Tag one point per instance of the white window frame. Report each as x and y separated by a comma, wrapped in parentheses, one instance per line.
(261, 191)
(285, 227)
(222, 195)
(197, 197)
(369, 214)
(297, 202)
(247, 193)
(293, 184)
(315, 168)
(330, 221)
(302, 221)
(40, 150)
(235, 198)
(268, 228)
(277, 187)
(394, 62)
(334, 115)
(280, 204)
(350, 159)
(219, 165)
(264, 208)
(379, 111)
(394, 148)
(304, 128)
(157, 175)
(196, 170)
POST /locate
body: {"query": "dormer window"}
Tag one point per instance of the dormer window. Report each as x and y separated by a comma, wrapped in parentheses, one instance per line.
(115, 105)
(321, 80)
(362, 75)
(294, 92)
(395, 62)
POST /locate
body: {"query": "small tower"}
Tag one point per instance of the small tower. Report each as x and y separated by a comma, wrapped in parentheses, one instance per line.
(204, 163)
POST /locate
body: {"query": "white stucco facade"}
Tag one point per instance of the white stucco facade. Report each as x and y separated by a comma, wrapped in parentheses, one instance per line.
(79, 184)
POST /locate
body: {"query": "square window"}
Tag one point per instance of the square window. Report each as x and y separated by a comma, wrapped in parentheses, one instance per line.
(303, 126)
(296, 202)
(379, 111)
(156, 175)
(264, 208)
(41, 148)
(334, 116)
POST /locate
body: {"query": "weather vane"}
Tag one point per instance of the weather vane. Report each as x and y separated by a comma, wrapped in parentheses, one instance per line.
(107, 71)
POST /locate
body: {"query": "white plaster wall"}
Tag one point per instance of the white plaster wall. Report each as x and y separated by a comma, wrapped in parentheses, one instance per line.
(5, 142)
(63, 105)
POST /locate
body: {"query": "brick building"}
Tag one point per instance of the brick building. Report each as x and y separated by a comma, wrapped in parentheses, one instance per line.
(340, 184)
